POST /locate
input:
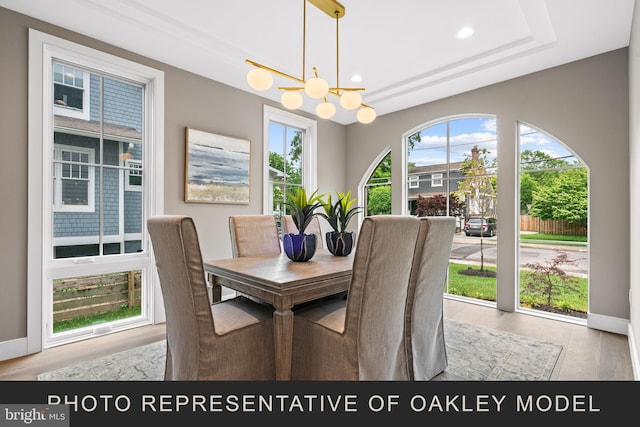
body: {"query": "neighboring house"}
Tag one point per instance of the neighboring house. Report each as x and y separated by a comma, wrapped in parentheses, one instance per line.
(79, 169)
(431, 180)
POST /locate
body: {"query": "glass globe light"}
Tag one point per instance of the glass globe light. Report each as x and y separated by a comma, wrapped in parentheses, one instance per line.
(366, 115)
(316, 87)
(325, 110)
(350, 100)
(259, 79)
(291, 99)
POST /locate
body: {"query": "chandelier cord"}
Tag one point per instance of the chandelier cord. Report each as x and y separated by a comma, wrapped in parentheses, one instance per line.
(337, 53)
(304, 37)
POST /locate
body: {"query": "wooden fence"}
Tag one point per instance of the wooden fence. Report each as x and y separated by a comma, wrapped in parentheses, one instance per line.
(90, 295)
(530, 223)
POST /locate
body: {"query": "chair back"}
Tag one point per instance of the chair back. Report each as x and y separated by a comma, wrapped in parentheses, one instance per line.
(254, 235)
(375, 311)
(288, 226)
(424, 317)
(184, 290)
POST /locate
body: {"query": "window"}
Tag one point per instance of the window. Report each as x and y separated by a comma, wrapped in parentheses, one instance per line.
(290, 160)
(89, 244)
(460, 156)
(70, 96)
(133, 181)
(436, 180)
(376, 191)
(73, 179)
(554, 207)
(414, 181)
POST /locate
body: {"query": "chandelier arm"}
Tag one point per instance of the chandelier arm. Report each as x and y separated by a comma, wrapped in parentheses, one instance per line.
(273, 70)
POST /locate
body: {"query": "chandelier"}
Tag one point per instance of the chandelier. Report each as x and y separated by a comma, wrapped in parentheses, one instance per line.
(260, 77)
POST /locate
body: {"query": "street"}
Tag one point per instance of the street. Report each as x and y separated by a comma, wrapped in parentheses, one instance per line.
(467, 249)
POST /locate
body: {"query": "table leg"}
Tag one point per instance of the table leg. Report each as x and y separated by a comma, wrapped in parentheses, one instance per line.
(214, 288)
(283, 341)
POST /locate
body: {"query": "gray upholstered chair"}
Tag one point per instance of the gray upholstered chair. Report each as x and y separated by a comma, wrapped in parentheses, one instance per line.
(288, 226)
(424, 319)
(254, 235)
(362, 337)
(230, 340)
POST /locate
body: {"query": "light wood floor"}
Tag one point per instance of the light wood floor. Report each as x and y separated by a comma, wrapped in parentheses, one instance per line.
(587, 354)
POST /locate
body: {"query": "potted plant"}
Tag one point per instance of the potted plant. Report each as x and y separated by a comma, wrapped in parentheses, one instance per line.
(301, 246)
(340, 241)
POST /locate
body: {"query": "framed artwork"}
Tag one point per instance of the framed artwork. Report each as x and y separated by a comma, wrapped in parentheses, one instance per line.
(216, 168)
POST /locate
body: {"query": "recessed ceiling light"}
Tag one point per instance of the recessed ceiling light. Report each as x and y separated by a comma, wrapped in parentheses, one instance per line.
(465, 32)
(356, 78)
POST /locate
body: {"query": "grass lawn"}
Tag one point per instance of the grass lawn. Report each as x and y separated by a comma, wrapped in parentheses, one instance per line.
(484, 288)
(81, 322)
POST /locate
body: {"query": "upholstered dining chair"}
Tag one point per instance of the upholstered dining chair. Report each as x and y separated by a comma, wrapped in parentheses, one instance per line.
(288, 226)
(362, 337)
(424, 318)
(254, 235)
(229, 340)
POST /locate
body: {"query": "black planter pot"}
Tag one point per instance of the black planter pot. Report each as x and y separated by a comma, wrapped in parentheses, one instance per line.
(340, 244)
(299, 247)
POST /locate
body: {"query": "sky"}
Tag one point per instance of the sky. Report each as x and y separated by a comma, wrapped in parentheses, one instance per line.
(477, 131)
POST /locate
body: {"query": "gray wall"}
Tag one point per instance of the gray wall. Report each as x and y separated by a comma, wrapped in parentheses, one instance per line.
(190, 101)
(583, 104)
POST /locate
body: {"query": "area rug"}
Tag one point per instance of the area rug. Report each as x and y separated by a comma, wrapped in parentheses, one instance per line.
(474, 353)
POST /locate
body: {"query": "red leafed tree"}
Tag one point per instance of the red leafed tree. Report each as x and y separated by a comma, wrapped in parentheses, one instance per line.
(437, 205)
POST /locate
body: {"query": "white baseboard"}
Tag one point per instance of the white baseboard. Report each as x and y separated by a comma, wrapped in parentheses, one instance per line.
(608, 323)
(13, 348)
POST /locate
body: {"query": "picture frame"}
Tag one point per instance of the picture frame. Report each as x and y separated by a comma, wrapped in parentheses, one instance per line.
(217, 168)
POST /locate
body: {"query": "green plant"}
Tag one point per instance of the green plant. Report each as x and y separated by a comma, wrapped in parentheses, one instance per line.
(302, 208)
(339, 214)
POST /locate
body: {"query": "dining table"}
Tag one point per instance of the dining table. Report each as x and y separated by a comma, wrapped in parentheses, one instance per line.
(283, 283)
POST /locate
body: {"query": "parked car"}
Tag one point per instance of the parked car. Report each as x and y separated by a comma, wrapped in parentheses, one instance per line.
(479, 226)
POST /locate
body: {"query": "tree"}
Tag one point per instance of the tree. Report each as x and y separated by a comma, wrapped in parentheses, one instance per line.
(379, 200)
(539, 170)
(548, 279)
(527, 186)
(480, 186)
(563, 199)
(437, 205)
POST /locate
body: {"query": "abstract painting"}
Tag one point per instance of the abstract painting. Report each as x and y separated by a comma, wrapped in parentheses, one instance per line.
(217, 168)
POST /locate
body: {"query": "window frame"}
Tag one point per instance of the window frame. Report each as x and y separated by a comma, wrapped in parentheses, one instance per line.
(58, 206)
(309, 128)
(44, 50)
(437, 179)
(83, 113)
(133, 167)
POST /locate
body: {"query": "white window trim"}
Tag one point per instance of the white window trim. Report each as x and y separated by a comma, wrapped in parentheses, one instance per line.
(309, 151)
(42, 49)
(437, 180)
(58, 206)
(85, 113)
(414, 181)
(134, 167)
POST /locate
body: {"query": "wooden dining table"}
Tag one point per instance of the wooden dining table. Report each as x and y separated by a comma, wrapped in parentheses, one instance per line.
(282, 283)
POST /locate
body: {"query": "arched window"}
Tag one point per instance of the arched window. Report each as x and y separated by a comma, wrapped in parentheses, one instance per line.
(553, 248)
(451, 170)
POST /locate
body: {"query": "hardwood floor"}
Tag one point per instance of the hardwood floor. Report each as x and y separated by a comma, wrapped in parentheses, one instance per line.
(587, 354)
